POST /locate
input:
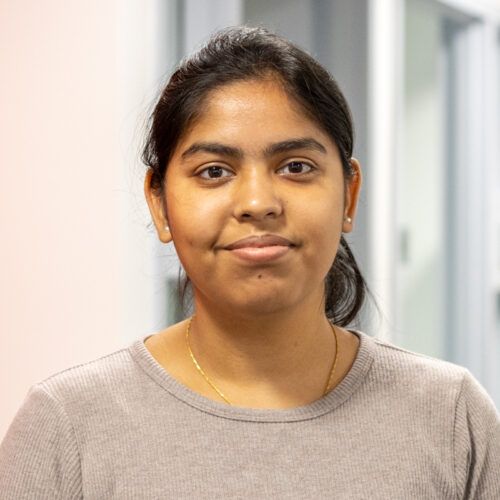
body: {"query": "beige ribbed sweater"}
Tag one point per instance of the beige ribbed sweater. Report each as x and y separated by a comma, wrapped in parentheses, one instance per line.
(399, 426)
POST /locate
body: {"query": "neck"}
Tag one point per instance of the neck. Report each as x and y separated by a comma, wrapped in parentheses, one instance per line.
(286, 351)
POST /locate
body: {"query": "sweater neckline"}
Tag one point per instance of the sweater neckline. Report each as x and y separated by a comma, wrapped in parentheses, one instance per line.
(325, 404)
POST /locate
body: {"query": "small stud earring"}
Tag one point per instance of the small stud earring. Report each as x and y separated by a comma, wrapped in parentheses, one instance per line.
(348, 219)
(167, 229)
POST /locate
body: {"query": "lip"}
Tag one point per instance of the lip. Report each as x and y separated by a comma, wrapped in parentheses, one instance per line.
(261, 254)
(261, 248)
(266, 240)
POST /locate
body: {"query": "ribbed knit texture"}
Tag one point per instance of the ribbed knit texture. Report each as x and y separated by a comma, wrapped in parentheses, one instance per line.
(399, 426)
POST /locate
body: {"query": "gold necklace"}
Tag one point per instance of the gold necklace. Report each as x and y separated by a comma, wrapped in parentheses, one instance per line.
(328, 385)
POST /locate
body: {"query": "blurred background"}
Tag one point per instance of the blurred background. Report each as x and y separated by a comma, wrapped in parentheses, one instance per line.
(81, 273)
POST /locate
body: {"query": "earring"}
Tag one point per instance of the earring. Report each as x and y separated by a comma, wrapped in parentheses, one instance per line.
(348, 219)
(167, 229)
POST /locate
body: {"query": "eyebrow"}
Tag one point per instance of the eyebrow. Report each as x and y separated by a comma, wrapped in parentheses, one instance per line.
(212, 147)
(273, 149)
(292, 144)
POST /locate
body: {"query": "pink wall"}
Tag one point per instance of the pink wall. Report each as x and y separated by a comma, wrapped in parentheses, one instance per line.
(60, 261)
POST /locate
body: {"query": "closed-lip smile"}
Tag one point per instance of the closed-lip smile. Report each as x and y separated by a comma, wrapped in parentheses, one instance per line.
(266, 240)
(261, 249)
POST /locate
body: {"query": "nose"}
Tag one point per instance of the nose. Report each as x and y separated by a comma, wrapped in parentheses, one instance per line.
(256, 197)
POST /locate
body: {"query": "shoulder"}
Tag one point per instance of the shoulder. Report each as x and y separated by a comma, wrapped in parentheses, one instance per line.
(92, 383)
(42, 448)
(408, 367)
(59, 415)
(440, 409)
(414, 380)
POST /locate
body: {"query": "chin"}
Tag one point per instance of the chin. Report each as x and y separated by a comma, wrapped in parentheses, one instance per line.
(244, 298)
(262, 305)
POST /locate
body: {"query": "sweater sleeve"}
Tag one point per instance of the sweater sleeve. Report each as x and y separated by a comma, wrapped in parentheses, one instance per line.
(39, 456)
(476, 443)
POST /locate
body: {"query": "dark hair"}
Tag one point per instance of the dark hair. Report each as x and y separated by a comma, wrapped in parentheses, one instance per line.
(243, 53)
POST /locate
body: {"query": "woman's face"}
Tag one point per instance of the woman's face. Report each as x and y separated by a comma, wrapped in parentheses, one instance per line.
(254, 165)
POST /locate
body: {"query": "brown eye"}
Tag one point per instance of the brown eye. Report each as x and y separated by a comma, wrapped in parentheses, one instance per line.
(298, 167)
(214, 172)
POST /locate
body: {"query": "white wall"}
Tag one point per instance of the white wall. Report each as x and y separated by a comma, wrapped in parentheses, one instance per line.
(421, 324)
(74, 285)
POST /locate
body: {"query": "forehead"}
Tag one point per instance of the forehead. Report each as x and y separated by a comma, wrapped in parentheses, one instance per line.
(252, 114)
(248, 95)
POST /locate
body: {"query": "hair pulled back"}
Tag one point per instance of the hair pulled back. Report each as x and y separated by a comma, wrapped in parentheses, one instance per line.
(243, 53)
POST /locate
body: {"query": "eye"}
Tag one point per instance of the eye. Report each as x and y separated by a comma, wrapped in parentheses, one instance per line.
(297, 167)
(214, 172)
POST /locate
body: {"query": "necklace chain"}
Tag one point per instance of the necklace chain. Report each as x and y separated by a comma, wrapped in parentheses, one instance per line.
(198, 367)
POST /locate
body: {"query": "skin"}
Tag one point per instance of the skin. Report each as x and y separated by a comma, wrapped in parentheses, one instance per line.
(259, 331)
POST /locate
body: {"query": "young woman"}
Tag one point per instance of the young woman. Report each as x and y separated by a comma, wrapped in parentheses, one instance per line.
(263, 392)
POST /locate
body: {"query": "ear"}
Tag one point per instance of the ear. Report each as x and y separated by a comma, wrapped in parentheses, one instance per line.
(352, 194)
(156, 208)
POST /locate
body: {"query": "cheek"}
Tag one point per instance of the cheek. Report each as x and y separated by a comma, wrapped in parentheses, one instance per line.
(322, 223)
(195, 220)
(323, 216)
